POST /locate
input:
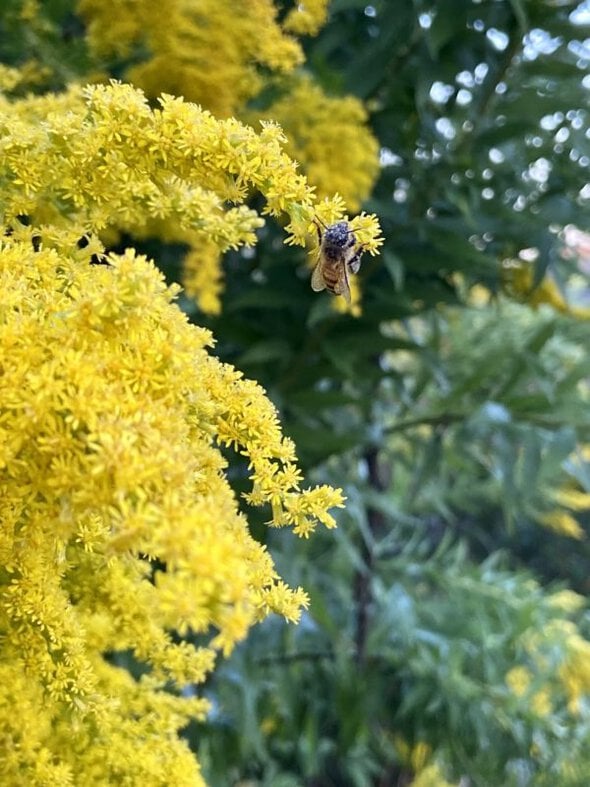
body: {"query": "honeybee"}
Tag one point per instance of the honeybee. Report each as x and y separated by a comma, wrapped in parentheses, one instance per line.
(339, 255)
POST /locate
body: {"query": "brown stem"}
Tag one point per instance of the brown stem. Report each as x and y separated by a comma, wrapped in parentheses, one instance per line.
(379, 480)
(443, 419)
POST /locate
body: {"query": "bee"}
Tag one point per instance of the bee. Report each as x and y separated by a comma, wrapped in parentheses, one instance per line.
(339, 255)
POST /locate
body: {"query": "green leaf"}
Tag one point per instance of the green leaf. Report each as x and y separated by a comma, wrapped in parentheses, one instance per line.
(264, 351)
(321, 443)
(265, 299)
(520, 13)
(315, 401)
(395, 268)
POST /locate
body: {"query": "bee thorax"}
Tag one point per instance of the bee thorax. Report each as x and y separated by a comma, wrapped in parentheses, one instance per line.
(337, 235)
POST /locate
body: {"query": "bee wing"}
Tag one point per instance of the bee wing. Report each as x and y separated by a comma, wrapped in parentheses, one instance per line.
(354, 263)
(317, 278)
(342, 286)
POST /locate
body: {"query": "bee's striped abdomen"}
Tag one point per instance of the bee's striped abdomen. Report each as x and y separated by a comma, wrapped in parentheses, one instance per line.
(332, 276)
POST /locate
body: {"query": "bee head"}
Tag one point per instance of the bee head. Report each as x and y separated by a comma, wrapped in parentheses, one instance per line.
(337, 235)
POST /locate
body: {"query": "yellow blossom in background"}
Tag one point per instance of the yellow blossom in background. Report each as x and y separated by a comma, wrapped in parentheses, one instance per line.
(575, 670)
(431, 776)
(561, 522)
(562, 650)
(202, 276)
(27, 75)
(478, 296)
(208, 51)
(355, 306)
(418, 758)
(519, 679)
(541, 704)
(571, 497)
(518, 279)
(9, 78)
(567, 600)
(330, 138)
(574, 499)
(307, 18)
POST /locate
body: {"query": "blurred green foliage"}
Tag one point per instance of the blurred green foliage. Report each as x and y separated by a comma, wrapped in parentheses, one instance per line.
(449, 424)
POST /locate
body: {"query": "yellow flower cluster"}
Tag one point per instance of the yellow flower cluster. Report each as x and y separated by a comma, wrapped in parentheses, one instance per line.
(202, 275)
(330, 138)
(563, 521)
(130, 739)
(26, 75)
(219, 53)
(566, 600)
(518, 281)
(307, 18)
(100, 157)
(118, 524)
(419, 759)
(519, 680)
(574, 672)
(189, 50)
(431, 776)
(571, 675)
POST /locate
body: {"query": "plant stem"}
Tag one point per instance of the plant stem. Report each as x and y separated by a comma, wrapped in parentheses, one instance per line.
(379, 480)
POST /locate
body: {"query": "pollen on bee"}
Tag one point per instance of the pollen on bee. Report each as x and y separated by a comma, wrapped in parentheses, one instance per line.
(337, 234)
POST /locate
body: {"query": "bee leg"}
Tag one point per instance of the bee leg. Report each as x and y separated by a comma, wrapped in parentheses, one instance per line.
(319, 231)
(354, 263)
